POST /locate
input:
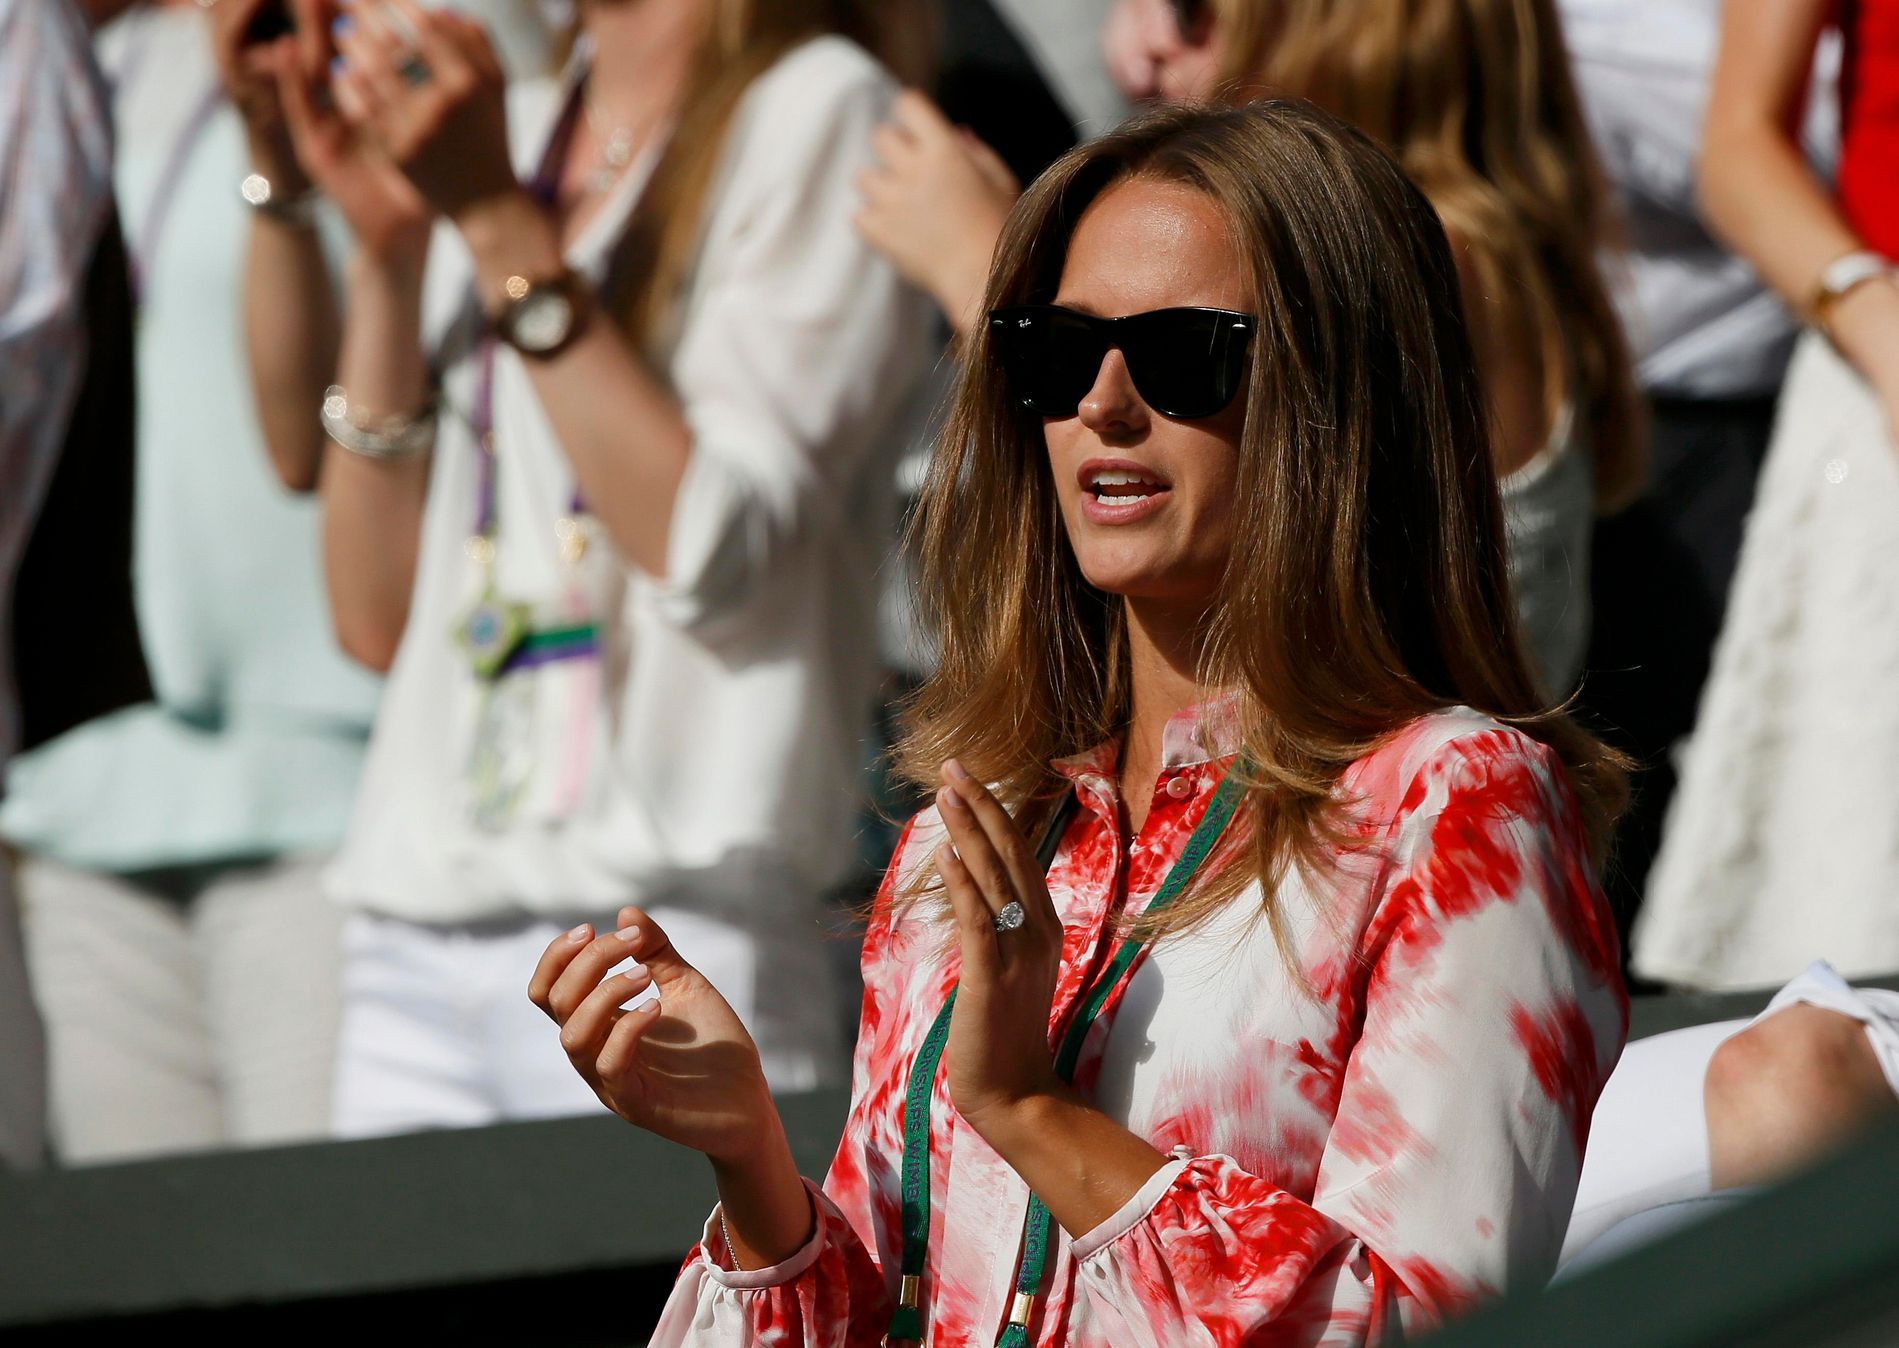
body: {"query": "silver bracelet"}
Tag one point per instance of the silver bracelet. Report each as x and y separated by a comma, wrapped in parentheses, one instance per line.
(399, 437)
(726, 1231)
(262, 196)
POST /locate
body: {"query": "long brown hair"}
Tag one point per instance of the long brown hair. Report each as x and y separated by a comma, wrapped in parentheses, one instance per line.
(743, 39)
(1372, 588)
(1477, 100)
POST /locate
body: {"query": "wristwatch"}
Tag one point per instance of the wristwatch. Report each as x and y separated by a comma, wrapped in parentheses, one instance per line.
(541, 317)
(1841, 277)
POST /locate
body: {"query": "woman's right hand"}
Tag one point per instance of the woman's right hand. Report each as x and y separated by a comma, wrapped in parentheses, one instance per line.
(248, 71)
(682, 1065)
(388, 219)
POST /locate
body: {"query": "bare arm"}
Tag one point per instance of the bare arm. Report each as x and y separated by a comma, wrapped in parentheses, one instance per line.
(1082, 1164)
(290, 330)
(290, 318)
(372, 508)
(1758, 191)
(621, 429)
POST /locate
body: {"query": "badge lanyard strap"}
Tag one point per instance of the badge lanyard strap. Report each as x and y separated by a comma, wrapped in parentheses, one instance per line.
(906, 1322)
(571, 641)
(544, 187)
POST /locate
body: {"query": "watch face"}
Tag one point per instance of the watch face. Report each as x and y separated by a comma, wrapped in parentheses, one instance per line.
(542, 320)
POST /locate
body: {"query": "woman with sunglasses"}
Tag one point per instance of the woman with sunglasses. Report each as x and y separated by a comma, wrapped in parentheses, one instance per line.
(1476, 100)
(1265, 987)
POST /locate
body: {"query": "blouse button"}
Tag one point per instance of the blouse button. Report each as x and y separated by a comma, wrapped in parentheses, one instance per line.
(1180, 788)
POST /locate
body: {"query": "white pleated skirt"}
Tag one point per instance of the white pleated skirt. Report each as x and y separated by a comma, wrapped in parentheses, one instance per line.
(1782, 845)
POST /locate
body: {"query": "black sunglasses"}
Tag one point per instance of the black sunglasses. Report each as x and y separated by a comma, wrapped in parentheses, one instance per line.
(1185, 363)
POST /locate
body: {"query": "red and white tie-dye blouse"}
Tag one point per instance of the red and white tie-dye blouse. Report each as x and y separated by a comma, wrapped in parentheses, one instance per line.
(1382, 1150)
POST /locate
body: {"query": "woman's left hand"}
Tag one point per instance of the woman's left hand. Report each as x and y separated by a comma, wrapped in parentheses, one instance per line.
(998, 1049)
(425, 85)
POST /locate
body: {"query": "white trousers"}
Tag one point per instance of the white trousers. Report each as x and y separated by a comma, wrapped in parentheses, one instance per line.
(22, 1045)
(438, 1031)
(202, 1014)
(1648, 1138)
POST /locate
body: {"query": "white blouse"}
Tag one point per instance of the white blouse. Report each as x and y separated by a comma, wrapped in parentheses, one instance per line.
(712, 757)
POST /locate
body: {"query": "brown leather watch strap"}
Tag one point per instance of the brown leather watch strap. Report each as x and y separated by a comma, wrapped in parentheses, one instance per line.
(522, 293)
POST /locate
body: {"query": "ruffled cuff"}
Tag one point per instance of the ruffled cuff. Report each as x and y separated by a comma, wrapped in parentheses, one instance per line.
(1133, 1212)
(724, 1269)
(830, 1294)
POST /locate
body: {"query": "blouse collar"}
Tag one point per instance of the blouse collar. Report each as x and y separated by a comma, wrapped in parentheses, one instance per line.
(1202, 733)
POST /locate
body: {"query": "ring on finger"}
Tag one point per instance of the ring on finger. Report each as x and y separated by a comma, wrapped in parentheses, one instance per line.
(1011, 916)
(414, 71)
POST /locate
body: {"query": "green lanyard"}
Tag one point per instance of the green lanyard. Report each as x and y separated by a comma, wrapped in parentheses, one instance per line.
(906, 1322)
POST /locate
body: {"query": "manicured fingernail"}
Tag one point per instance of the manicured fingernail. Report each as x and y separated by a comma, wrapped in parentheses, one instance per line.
(947, 798)
(342, 26)
(634, 972)
(581, 933)
(338, 68)
(957, 770)
(628, 934)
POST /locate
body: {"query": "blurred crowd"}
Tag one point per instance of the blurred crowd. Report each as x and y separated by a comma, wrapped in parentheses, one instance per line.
(452, 464)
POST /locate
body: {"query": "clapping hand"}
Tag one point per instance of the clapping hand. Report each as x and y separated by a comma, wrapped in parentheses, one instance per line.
(681, 1065)
(998, 1052)
(248, 69)
(426, 88)
(300, 136)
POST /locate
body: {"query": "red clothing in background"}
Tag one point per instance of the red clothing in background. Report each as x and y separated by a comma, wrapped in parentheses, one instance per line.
(1869, 123)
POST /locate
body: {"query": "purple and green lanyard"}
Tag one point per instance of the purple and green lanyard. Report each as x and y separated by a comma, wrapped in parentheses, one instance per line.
(498, 635)
(906, 1321)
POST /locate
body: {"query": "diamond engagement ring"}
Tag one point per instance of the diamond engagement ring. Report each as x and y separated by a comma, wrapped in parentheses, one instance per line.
(414, 71)
(1013, 915)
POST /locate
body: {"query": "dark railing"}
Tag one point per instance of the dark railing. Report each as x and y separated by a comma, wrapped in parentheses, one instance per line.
(1812, 1264)
(570, 1232)
(561, 1232)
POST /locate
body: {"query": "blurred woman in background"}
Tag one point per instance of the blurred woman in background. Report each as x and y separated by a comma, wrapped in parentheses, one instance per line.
(183, 953)
(605, 495)
(1477, 101)
(1783, 843)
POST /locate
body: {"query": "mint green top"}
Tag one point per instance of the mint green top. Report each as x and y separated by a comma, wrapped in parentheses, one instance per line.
(256, 741)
